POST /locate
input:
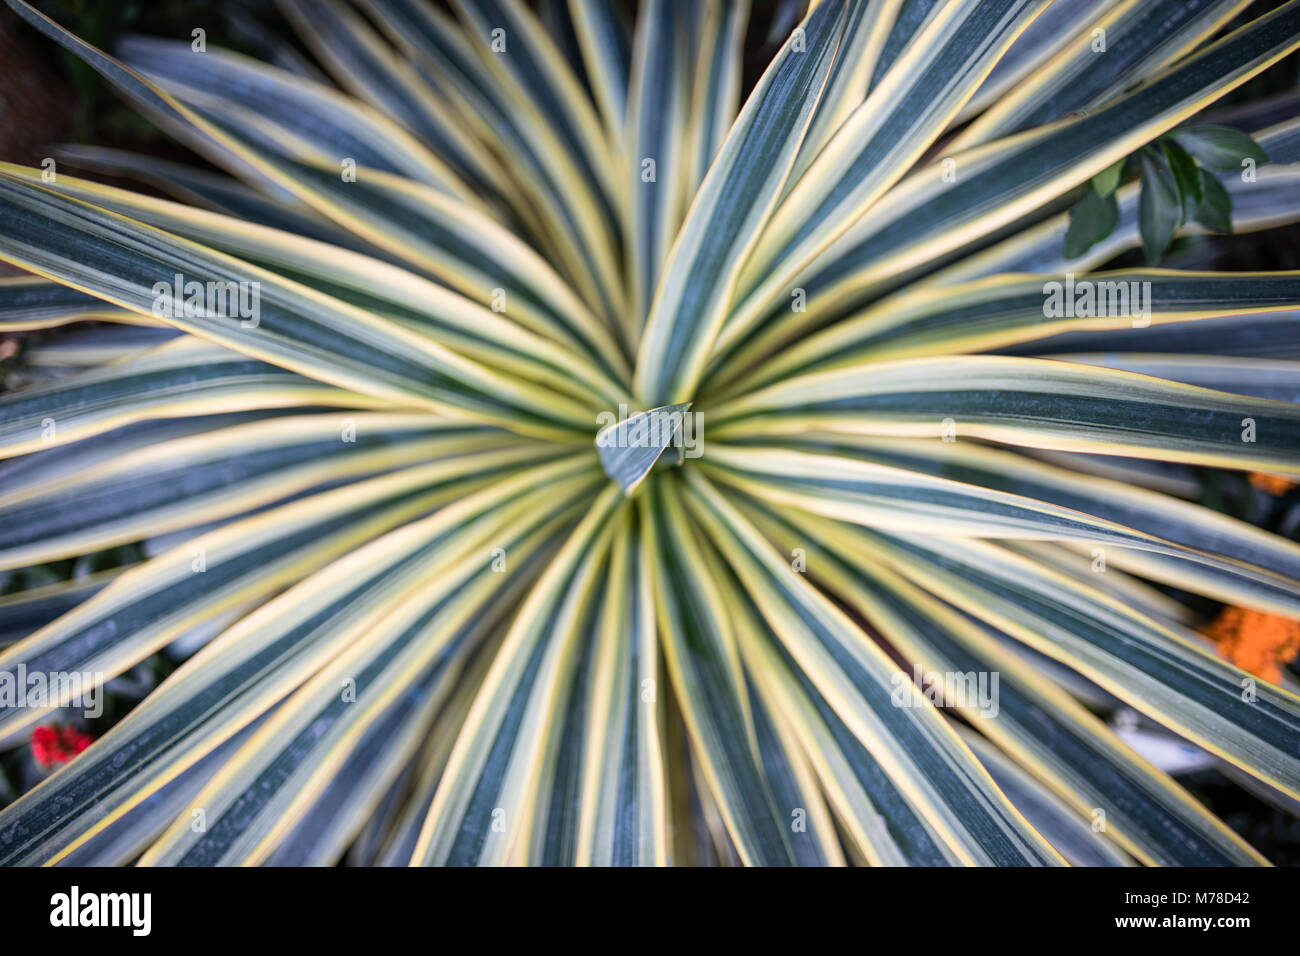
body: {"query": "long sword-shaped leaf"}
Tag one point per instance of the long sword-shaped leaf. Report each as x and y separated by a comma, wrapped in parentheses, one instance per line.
(719, 58)
(1272, 200)
(1264, 336)
(488, 794)
(521, 54)
(866, 31)
(551, 830)
(990, 314)
(1278, 381)
(912, 741)
(558, 117)
(33, 303)
(1072, 835)
(349, 809)
(905, 26)
(1138, 38)
(400, 841)
(709, 683)
(1044, 39)
(880, 140)
(657, 163)
(275, 208)
(532, 299)
(271, 783)
(574, 227)
(1160, 671)
(192, 481)
(183, 378)
(1049, 733)
(882, 826)
(324, 122)
(122, 841)
(365, 65)
(731, 208)
(959, 199)
(1031, 402)
(20, 476)
(904, 499)
(409, 220)
(1142, 596)
(204, 579)
(795, 789)
(623, 799)
(1179, 522)
(26, 611)
(257, 662)
(276, 319)
(606, 55)
(87, 348)
(779, 740)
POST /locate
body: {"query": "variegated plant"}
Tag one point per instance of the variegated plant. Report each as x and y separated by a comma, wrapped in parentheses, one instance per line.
(430, 626)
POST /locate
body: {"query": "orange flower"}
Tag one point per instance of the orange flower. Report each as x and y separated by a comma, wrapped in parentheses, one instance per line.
(1273, 484)
(55, 745)
(1254, 641)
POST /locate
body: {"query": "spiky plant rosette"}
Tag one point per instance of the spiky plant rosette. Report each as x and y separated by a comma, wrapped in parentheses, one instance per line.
(888, 503)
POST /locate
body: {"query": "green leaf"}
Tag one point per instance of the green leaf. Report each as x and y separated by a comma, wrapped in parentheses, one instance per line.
(606, 57)
(719, 67)
(1214, 211)
(357, 58)
(1066, 829)
(1092, 219)
(1107, 181)
(503, 340)
(622, 802)
(402, 829)
(1188, 176)
(1160, 209)
(1219, 147)
(1157, 669)
(244, 564)
(1272, 200)
(28, 302)
(1233, 545)
(865, 32)
(131, 265)
(578, 232)
(410, 660)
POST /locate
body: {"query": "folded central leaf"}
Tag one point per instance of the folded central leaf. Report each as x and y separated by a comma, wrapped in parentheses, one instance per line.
(630, 446)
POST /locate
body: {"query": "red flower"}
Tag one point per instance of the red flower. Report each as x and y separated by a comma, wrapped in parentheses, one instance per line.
(56, 745)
